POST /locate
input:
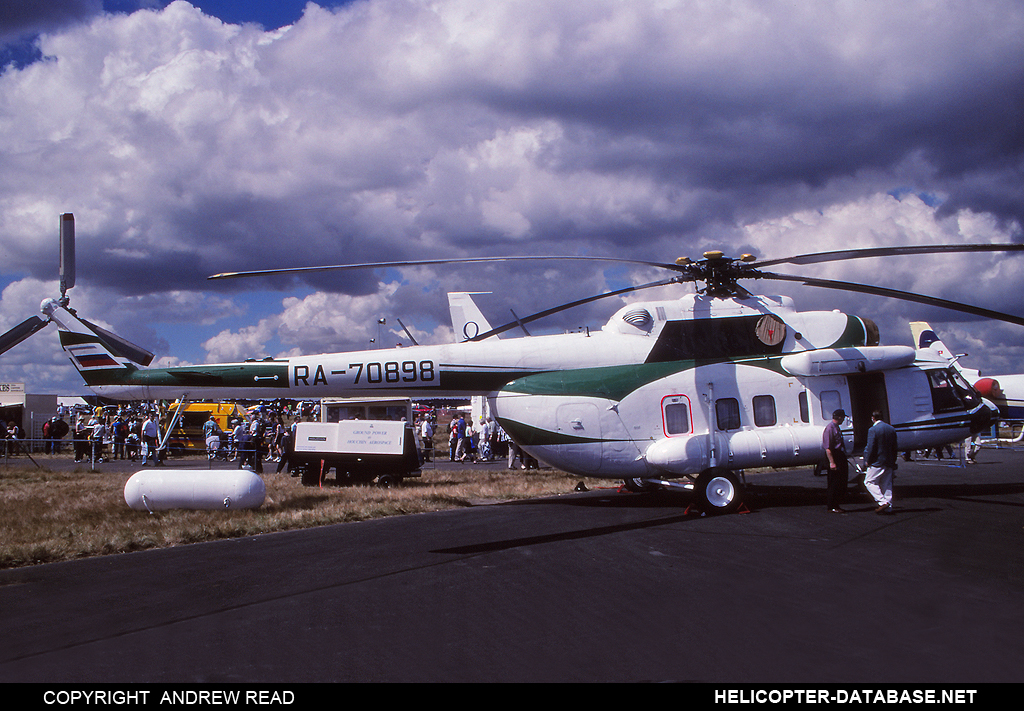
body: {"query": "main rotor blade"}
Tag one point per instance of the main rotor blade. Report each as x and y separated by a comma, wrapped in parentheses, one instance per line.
(895, 294)
(842, 254)
(813, 258)
(541, 314)
(427, 262)
(20, 332)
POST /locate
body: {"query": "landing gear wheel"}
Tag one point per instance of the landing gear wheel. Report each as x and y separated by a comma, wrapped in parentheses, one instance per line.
(718, 491)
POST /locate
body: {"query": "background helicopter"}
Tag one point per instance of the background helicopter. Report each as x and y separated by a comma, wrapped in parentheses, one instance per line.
(1006, 391)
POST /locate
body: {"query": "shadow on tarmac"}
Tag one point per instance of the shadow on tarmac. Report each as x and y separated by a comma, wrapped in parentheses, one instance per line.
(756, 497)
(764, 496)
(493, 546)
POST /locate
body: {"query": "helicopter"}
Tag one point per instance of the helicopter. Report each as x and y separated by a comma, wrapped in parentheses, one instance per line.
(1006, 391)
(710, 419)
(720, 343)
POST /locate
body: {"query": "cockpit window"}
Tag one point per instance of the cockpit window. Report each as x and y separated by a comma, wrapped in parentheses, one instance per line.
(967, 392)
(950, 391)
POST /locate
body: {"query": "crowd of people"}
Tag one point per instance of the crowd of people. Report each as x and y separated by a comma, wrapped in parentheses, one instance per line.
(484, 441)
(135, 432)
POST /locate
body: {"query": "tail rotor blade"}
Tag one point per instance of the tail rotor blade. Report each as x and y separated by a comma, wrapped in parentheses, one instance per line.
(120, 346)
(20, 332)
(67, 252)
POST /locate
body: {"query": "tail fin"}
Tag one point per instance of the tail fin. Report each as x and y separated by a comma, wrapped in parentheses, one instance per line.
(467, 319)
(925, 337)
(96, 353)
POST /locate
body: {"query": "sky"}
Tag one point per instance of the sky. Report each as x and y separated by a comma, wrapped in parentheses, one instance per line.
(192, 139)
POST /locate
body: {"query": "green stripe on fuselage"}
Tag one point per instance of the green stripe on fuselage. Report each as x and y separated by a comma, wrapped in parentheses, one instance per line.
(854, 335)
(255, 375)
(615, 382)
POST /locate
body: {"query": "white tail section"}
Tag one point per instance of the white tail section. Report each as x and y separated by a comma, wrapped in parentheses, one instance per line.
(467, 319)
(925, 337)
(87, 349)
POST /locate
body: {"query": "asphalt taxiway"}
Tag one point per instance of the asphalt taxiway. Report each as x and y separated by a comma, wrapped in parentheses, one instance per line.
(597, 586)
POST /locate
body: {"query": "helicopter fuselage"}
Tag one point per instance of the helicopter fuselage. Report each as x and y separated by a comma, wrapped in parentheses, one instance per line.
(644, 421)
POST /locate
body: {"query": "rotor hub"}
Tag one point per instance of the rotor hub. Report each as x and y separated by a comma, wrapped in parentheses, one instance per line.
(719, 273)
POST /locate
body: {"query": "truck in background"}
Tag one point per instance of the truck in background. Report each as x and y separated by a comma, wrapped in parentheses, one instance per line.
(187, 436)
(369, 440)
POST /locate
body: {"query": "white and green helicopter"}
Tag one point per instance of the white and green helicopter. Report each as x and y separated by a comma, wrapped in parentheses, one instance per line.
(698, 387)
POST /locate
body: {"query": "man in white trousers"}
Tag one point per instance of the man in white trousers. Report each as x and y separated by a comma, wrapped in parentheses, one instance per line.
(880, 457)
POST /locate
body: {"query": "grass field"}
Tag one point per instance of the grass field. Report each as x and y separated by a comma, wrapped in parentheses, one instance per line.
(50, 514)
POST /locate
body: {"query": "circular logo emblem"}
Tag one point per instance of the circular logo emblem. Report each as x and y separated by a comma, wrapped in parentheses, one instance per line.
(770, 330)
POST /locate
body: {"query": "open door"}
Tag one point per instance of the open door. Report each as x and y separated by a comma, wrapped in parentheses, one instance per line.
(867, 394)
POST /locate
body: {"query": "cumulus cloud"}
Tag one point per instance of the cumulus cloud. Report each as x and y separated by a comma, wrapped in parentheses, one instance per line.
(393, 129)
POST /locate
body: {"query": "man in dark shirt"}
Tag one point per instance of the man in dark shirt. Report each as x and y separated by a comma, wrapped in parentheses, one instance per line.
(880, 458)
(838, 467)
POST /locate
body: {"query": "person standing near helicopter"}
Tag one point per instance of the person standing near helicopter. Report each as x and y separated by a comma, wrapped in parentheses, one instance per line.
(880, 458)
(838, 467)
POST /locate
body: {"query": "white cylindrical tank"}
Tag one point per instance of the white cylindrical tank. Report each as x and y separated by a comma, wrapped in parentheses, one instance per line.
(680, 455)
(160, 490)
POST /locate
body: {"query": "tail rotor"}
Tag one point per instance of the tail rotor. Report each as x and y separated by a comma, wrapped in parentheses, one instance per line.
(58, 311)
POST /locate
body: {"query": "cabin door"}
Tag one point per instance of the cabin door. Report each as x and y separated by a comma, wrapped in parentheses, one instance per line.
(867, 394)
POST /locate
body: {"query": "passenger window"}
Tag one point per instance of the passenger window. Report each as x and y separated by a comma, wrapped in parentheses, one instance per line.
(764, 411)
(727, 411)
(805, 411)
(830, 402)
(677, 418)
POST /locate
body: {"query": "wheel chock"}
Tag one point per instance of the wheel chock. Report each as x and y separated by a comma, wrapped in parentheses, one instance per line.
(742, 509)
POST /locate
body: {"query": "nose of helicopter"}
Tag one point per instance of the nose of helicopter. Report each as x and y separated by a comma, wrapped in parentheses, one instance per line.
(983, 416)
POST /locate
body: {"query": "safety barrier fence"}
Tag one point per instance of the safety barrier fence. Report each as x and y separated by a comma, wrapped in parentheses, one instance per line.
(15, 450)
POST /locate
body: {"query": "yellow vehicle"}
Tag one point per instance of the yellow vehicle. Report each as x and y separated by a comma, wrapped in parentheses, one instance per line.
(188, 433)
